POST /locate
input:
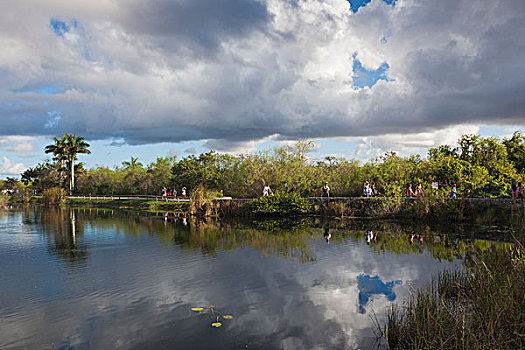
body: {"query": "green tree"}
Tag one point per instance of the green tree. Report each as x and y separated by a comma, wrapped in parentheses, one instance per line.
(191, 171)
(58, 149)
(74, 145)
(66, 150)
(132, 164)
(516, 150)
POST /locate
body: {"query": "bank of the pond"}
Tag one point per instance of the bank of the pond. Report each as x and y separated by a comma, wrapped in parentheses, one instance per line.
(424, 209)
(481, 307)
(500, 211)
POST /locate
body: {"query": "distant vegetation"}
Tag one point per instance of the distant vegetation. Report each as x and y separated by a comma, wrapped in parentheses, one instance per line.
(481, 167)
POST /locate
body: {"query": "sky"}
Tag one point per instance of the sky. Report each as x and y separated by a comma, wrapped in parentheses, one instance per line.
(152, 78)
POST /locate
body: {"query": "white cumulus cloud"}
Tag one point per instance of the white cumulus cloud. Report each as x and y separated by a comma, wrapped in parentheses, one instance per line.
(8, 167)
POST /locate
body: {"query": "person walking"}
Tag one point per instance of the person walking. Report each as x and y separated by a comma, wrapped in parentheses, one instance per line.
(419, 190)
(514, 188)
(267, 191)
(453, 191)
(410, 193)
(326, 190)
(366, 189)
(183, 192)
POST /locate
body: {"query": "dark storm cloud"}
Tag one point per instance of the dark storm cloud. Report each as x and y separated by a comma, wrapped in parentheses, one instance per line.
(237, 71)
(199, 26)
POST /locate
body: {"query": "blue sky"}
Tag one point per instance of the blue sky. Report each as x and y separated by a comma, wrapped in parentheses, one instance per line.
(356, 4)
(360, 77)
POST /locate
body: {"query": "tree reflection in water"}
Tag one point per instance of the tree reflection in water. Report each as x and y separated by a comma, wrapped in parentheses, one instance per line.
(292, 238)
(61, 231)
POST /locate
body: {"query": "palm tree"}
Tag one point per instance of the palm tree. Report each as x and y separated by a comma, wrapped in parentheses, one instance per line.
(58, 149)
(66, 150)
(74, 145)
(132, 164)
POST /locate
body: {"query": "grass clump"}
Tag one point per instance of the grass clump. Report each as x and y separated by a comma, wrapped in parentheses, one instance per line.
(201, 200)
(479, 307)
(54, 195)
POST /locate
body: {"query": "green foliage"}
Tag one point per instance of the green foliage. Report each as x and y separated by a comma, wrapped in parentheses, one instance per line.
(10, 183)
(481, 167)
(516, 150)
(18, 191)
(44, 175)
(205, 170)
(280, 203)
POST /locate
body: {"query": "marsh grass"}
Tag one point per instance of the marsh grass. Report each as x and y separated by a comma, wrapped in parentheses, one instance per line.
(54, 195)
(201, 201)
(479, 307)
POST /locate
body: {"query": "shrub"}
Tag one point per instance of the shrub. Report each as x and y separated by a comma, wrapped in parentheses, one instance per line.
(280, 203)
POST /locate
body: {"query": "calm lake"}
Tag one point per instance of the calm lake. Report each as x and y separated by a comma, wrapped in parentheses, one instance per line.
(103, 279)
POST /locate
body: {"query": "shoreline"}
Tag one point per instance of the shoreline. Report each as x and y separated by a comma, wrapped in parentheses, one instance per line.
(487, 211)
(423, 210)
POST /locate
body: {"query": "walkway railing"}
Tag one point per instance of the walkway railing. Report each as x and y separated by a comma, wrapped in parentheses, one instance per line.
(132, 197)
(311, 199)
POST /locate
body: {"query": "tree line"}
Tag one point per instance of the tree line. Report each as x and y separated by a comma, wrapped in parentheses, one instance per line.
(480, 166)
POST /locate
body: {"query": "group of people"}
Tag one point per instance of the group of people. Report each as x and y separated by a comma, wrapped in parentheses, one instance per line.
(369, 190)
(414, 193)
(418, 237)
(172, 192)
(370, 237)
(268, 191)
(172, 217)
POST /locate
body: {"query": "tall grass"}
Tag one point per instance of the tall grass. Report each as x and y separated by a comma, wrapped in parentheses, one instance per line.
(479, 307)
(201, 201)
(55, 195)
(3, 200)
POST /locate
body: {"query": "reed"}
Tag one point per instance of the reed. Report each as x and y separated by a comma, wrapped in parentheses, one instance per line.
(479, 307)
(55, 195)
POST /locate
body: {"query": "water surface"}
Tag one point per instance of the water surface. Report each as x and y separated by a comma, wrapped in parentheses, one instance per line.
(102, 279)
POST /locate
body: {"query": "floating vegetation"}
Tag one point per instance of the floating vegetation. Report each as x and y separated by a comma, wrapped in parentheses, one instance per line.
(210, 310)
(216, 324)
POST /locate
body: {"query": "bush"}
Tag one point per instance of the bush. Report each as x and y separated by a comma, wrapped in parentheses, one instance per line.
(280, 203)
(54, 195)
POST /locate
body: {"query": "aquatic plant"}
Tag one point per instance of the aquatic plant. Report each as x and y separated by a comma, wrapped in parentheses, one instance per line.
(210, 310)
